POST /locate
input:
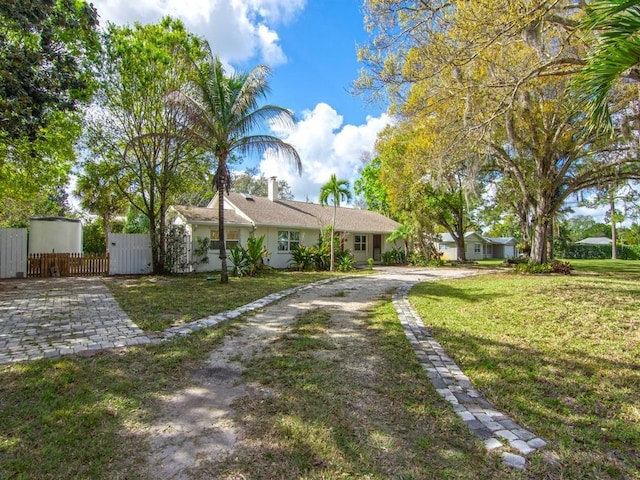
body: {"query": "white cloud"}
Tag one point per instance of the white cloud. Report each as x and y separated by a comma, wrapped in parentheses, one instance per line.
(325, 147)
(237, 30)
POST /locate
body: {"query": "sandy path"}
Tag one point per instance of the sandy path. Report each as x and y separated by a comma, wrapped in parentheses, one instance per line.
(196, 425)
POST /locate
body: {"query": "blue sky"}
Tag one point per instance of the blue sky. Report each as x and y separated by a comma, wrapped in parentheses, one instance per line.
(311, 47)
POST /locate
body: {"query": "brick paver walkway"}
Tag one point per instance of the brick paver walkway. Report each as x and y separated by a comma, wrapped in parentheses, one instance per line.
(42, 318)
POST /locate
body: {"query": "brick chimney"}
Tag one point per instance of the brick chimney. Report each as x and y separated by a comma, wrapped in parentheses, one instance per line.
(273, 188)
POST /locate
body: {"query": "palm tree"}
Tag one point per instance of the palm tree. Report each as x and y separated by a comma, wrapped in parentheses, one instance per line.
(336, 190)
(613, 56)
(222, 115)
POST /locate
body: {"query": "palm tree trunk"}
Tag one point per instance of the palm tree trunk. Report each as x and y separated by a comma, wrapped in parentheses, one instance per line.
(333, 233)
(224, 274)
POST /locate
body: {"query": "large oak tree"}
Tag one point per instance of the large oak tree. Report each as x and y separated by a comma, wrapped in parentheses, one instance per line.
(494, 78)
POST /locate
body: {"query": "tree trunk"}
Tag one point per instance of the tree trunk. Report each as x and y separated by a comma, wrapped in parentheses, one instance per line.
(333, 232)
(107, 231)
(549, 242)
(462, 248)
(539, 240)
(224, 274)
(614, 233)
(156, 263)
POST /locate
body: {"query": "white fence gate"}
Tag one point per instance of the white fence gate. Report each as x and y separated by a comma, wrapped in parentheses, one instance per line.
(129, 253)
(13, 252)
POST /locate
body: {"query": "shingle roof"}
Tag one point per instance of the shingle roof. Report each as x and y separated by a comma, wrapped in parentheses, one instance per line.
(447, 238)
(209, 215)
(290, 213)
(595, 241)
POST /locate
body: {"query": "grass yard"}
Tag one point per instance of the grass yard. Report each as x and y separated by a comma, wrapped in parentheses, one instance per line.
(157, 302)
(80, 418)
(561, 354)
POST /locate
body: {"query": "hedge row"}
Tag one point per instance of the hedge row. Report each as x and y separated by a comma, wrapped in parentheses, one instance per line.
(625, 252)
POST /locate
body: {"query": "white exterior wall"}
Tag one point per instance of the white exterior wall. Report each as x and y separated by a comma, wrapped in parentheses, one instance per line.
(448, 252)
(13, 252)
(279, 259)
(362, 256)
(55, 235)
(308, 238)
(470, 247)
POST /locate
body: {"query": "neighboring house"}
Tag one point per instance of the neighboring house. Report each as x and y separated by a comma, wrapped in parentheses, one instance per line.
(478, 247)
(595, 241)
(284, 224)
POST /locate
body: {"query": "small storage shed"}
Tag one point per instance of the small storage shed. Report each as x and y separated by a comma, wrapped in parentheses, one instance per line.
(55, 235)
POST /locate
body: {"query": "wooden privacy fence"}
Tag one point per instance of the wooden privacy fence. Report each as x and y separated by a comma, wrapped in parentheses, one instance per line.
(66, 265)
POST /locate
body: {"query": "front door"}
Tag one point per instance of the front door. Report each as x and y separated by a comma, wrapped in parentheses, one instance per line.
(377, 248)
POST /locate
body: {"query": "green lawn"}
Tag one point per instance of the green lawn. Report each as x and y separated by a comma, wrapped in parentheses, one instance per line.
(80, 418)
(157, 302)
(561, 354)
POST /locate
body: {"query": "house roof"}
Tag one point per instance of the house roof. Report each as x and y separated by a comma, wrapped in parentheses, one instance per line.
(447, 238)
(209, 215)
(595, 241)
(290, 214)
(503, 240)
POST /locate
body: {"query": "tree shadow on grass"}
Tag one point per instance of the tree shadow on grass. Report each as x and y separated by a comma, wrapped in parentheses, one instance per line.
(577, 401)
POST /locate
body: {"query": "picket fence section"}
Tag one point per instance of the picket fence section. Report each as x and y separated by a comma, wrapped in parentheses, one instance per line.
(130, 254)
(67, 265)
(13, 252)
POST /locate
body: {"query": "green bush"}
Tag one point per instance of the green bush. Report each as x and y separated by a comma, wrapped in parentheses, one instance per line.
(310, 258)
(554, 266)
(345, 261)
(625, 252)
(249, 261)
(417, 258)
(394, 257)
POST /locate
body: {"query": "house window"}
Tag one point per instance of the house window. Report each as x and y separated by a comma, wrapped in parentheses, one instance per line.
(477, 248)
(233, 239)
(360, 243)
(287, 240)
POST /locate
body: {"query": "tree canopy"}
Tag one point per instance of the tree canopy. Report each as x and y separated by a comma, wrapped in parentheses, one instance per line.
(495, 95)
(134, 132)
(47, 49)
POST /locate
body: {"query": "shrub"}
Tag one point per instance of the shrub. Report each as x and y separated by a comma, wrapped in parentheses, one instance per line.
(248, 261)
(625, 252)
(394, 257)
(345, 261)
(307, 258)
(563, 268)
(554, 266)
(370, 263)
(417, 258)
(240, 259)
